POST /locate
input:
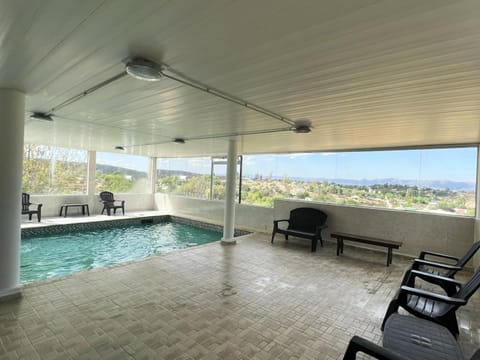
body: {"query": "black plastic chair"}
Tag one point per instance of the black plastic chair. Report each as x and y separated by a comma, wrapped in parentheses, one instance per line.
(360, 345)
(109, 203)
(26, 207)
(305, 223)
(443, 268)
(432, 306)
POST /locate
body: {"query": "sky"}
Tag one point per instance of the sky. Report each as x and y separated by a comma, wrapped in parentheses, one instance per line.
(453, 164)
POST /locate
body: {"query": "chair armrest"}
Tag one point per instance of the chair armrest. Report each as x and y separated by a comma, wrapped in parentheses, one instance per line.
(39, 206)
(277, 221)
(426, 276)
(431, 295)
(436, 264)
(431, 253)
(358, 344)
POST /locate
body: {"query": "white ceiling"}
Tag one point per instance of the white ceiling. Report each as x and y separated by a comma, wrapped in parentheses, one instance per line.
(366, 73)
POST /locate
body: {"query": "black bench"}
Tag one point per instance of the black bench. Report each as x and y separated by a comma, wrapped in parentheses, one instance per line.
(66, 206)
(304, 223)
(366, 240)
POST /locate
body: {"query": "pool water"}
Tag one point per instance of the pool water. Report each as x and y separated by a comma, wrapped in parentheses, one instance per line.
(46, 257)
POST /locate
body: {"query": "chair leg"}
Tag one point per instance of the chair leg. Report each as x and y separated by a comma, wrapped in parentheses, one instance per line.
(123, 210)
(39, 216)
(314, 245)
(30, 216)
(273, 236)
(450, 322)
(286, 237)
(321, 241)
(392, 308)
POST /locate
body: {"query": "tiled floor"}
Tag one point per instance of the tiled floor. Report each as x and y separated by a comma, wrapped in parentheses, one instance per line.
(252, 300)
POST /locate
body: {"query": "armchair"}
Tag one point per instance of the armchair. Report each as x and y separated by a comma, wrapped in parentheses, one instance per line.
(109, 203)
(26, 207)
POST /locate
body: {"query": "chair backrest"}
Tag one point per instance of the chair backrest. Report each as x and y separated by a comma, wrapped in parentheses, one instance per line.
(470, 253)
(25, 201)
(469, 288)
(306, 219)
(106, 196)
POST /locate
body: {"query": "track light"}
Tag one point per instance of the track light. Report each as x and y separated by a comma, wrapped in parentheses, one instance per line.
(143, 69)
(179, 141)
(41, 116)
(119, 147)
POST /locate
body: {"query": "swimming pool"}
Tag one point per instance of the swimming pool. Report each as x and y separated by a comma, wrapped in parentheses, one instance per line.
(46, 257)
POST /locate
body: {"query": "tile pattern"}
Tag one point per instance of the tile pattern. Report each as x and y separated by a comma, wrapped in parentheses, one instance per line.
(254, 300)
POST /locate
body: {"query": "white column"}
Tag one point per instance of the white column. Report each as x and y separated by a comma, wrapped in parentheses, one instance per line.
(12, 117)
(476, 231)
(92, 167)
(152, 171)
(229, 214)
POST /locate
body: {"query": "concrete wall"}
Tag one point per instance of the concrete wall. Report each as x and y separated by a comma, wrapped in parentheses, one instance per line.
(52, 203)
(418, 231)
(247, 217)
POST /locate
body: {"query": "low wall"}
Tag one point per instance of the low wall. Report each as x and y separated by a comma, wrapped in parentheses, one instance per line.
(418, 231)
(247, 217)
(52, 203)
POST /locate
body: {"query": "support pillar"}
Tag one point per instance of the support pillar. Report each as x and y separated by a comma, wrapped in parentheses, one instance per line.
(152, 171)
(12, 118)
(476, 230)
(229, 214)
(92, 167)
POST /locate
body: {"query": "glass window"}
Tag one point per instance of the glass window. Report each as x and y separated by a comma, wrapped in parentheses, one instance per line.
(54, 170)
(434, 180)
(121, 173)
(185, 176)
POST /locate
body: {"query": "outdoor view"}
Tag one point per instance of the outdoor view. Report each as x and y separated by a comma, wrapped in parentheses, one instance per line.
(434, 180)
(55, 170)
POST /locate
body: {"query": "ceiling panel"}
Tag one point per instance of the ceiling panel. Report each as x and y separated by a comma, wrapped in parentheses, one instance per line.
(365, 73)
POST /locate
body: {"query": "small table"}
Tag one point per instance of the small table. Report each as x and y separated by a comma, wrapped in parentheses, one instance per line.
(66, 206)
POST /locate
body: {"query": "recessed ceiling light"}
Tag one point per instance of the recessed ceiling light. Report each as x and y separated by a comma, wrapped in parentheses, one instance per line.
(119, 147)
(41, 116)
(144, 69)
(179, 141)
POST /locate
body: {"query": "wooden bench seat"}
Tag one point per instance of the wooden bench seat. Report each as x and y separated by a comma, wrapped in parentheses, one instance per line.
(390, 244)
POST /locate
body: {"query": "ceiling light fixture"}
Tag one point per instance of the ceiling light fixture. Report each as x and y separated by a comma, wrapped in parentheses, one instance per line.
(41, 116)
(179, 141)
(302, 126)
(143, 69)
(302, 129)
(119, 147)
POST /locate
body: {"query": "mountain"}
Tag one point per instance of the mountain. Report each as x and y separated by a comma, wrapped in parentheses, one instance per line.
(165, 172)
(432, 184)
(108, 169)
